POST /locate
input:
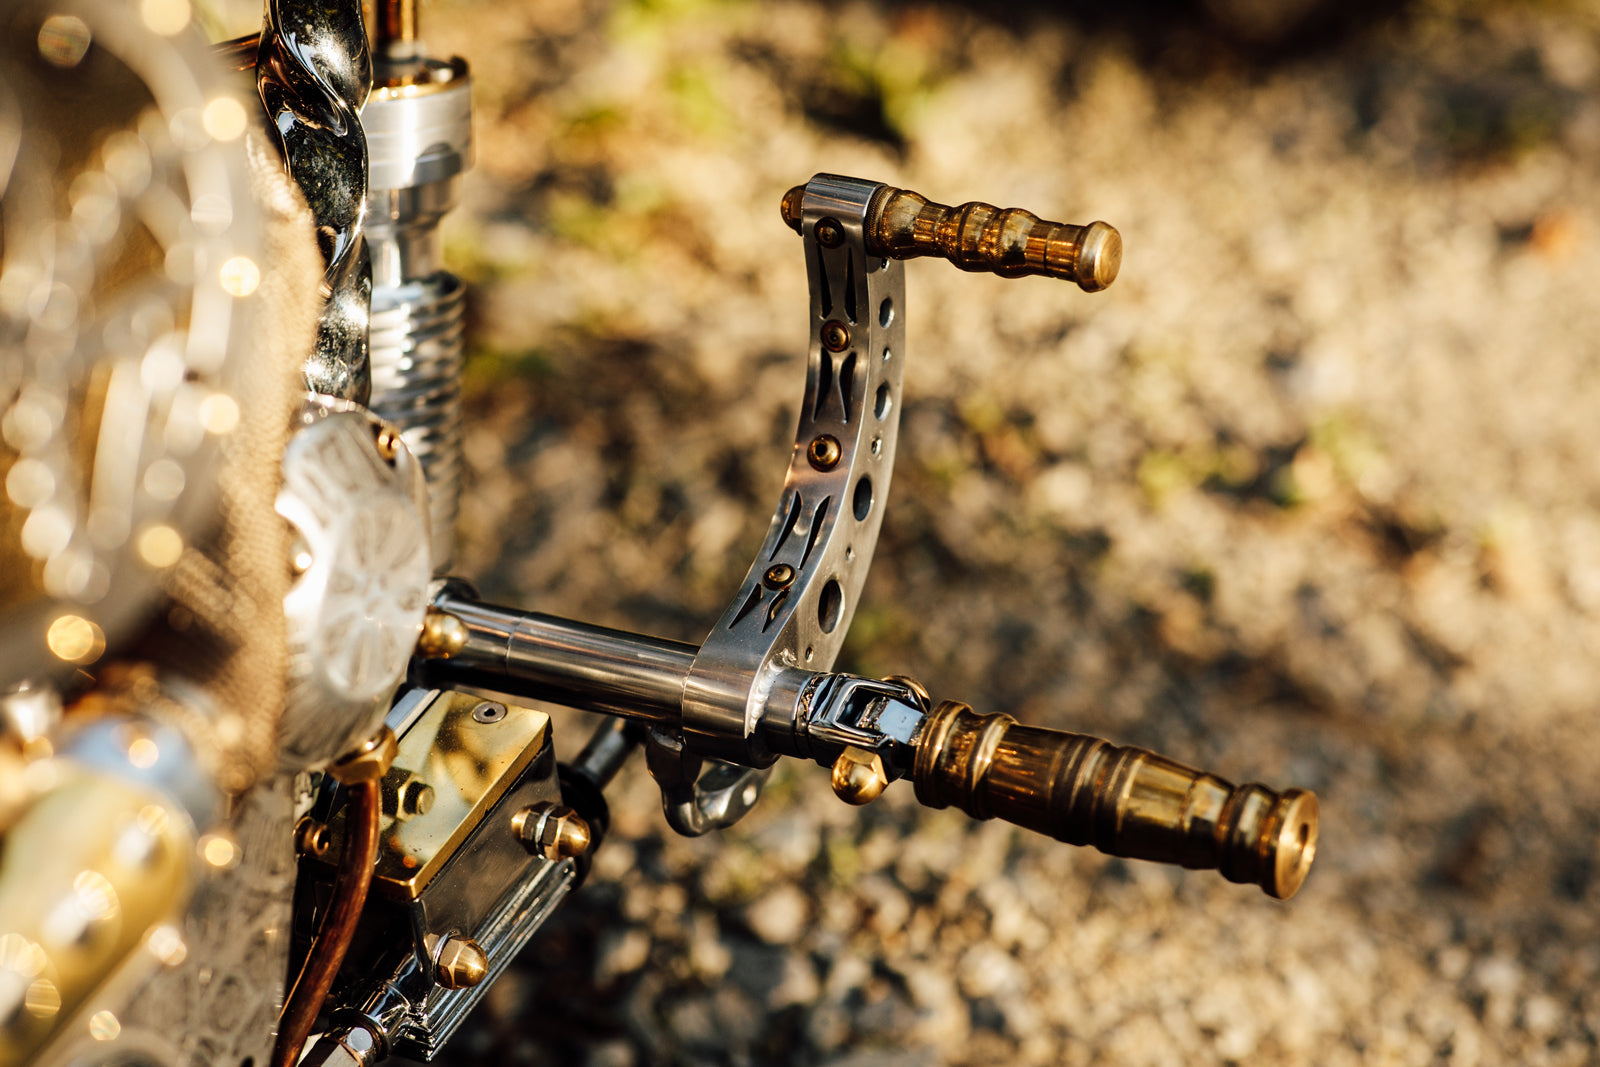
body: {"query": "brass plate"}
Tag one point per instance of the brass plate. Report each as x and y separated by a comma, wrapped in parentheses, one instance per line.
(469, 765)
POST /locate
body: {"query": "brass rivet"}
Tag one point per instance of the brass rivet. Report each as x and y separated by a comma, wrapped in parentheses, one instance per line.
(779, 576)
(858, 776)
(443, 635)
(824, 452)
(388, 439)
(835, 336)
(311, 838)
(829, 233)
(460, 963)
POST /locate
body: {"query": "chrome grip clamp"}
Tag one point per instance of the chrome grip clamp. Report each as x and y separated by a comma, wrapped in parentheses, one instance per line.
(795, 604)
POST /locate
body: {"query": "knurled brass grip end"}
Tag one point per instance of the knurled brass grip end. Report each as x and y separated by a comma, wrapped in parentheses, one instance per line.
(974, 236)
(1123, 801)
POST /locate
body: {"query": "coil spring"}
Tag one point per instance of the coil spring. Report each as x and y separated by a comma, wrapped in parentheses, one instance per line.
(416, 384)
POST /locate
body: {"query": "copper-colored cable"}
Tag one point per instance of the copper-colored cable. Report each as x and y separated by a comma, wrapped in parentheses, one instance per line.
(350, 887)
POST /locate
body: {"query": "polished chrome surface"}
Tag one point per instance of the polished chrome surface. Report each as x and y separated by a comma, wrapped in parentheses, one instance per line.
(417, 355)
(827, 521)
(418, 124)
(542, 657)
(130, 251)
(980, 237)
(313, 74)
(355, 610)
(1123, 801)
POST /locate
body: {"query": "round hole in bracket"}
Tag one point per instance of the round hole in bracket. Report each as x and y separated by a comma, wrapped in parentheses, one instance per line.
(877, 445)
(830, 606)
(886, 353)
(881, 406)
(862, 501)
(886, 312)
(810, 653)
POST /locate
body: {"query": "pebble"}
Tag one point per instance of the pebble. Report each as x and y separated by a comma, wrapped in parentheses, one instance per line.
(779, 916)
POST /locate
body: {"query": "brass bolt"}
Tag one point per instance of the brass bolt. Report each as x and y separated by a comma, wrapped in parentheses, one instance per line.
(460, 963)
(388, 442)
(779, 576)
(553, 831)
(824, 452)
(835, 336)
(829, 233)
(311, 838)
(443, 635)
(368, 762)
(858, 776)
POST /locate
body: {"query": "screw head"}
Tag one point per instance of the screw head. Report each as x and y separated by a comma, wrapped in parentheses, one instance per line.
(824, 452)
(835, 336)
(460, 963)
(829, 233)
(489, 711)
(779, 576)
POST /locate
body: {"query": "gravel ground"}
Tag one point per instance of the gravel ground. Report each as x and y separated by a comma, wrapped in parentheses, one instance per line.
(1308, 497)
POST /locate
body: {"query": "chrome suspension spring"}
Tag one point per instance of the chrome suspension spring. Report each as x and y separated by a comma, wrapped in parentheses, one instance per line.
(416, 384)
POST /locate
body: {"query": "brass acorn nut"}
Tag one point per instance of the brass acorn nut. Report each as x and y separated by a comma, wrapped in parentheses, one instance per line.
(460, 963)
(553, 831)
(858, 776)
(443, 635)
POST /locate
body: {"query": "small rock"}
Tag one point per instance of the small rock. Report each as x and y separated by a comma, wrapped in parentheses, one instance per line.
(798, 985)
(708, 956)
(778, 917)
(621, 952)
(988, 971)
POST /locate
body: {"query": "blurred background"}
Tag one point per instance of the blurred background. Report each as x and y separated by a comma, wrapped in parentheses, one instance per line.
(1308, 497)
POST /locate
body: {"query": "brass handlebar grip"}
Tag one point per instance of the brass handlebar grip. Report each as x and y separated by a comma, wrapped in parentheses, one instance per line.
(1123, 801)
(974, 236)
